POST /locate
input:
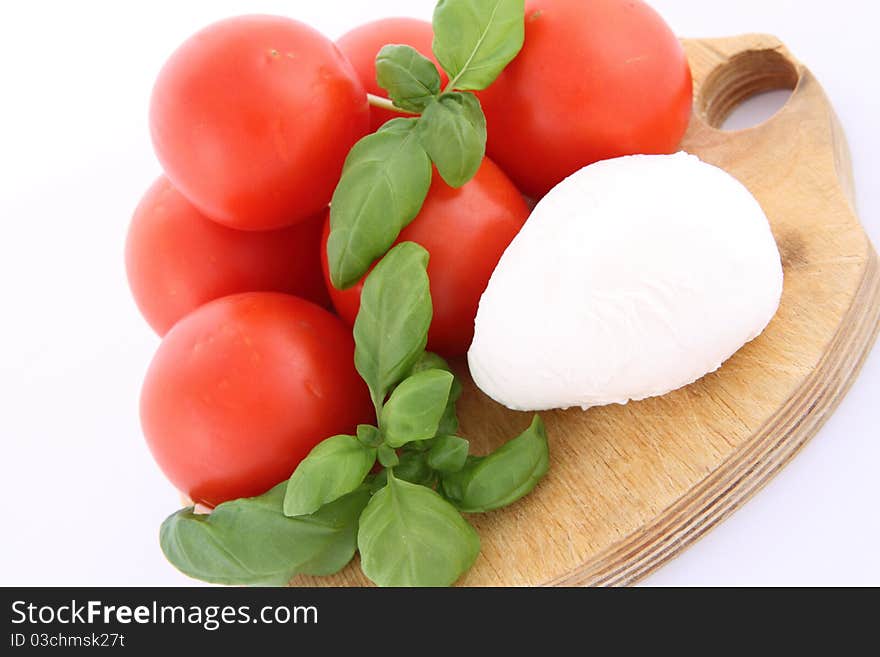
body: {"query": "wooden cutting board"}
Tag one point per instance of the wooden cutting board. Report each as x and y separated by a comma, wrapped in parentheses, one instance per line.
(631, 486)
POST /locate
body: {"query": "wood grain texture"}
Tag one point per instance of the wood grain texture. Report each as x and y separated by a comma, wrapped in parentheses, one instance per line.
(631, 486)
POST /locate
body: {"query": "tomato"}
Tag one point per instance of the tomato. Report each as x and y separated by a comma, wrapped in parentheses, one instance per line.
(243, 388)
(465, 231)
(594, 80)
(252, 118)
(362, 44)
(177, 259)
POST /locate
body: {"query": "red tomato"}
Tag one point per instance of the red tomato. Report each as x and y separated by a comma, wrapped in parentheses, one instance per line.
(252, 119)
(595, 80)
(362, 44)
(465, 231)
(178, 260)
(243, 388)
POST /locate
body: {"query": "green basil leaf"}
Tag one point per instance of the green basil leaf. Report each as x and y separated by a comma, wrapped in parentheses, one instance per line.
(414, 468)
(378, 481)
(448, 453)
(452, 488)
(411, 80)
(369, 435)
(418, 445)
(251, 541)
(335, 466)
(410, 536)
(475, 39)
(391, 328)
(383, 185)
(429, 361)
(449, 421)
(502, 477)
(453, 133)
(388, 456)
(415, 407)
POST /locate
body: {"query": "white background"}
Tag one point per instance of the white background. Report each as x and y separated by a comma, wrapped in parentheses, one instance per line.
(81, 498)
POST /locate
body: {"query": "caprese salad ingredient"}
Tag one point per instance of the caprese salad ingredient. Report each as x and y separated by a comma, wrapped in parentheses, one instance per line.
(252, 118)
(641, 274)
(249, 541)
(596, 79)
(361, 45)
(177, 259)
(243, 388)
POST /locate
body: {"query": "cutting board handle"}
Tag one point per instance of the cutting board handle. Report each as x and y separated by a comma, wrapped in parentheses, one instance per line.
(727, 71)
(757, 67)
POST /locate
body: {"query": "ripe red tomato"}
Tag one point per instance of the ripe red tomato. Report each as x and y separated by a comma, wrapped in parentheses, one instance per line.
(465, 231)
(178, 260)
(243, 388)
(252, 118)
(594, 80)
(362, 44)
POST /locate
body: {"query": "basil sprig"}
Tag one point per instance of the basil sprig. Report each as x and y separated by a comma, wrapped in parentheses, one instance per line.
(412, 531)
(416, 407)
(333, 468)
(387, 174)
(448, 454)
(391, 327)
(251, 541)
(406, 519)
(491, 482)
(384, 183)
(475, 39)
(411, 79)
(410, 536)
(449, 419)
(453, 133)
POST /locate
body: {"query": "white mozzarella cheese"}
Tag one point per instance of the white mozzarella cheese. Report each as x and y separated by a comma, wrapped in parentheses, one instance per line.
(631, 278)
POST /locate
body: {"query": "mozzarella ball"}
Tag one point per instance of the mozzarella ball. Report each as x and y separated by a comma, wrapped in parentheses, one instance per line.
(633, 277)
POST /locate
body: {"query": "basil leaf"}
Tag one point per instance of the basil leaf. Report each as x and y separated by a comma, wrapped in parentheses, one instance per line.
(335, 466)
(429, 361)
(391, 328)
(369, 435)
(448, 453)
(475, 39)
(414, 468)
(453, 133)
(378, 481)
(383, 185)
(388, 456)
(418, 445)
(411, 80)
(502, 477)
(410, 536)
(449, 421)
(452, 488)
(251, 541)
(415, 407)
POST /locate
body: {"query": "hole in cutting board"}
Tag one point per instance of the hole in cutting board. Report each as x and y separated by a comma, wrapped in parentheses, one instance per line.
(747, 90)
(756, 110)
